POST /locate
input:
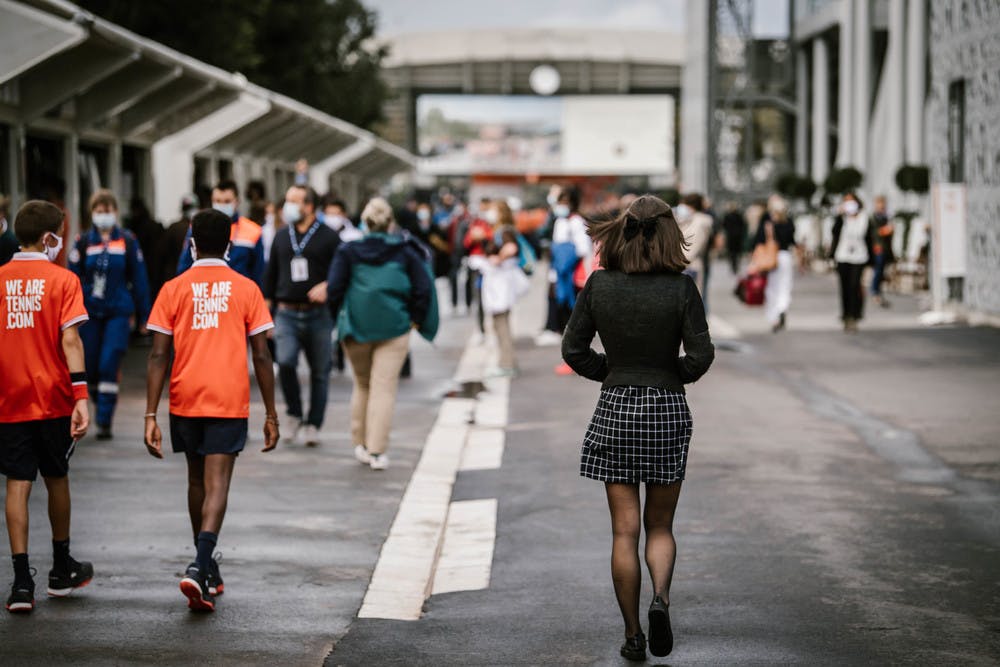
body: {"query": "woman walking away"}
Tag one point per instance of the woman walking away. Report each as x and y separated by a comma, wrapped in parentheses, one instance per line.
(853, 241)
(643, 308)
(378, 288)
(504, 283)
(116, 292)
(777, 226)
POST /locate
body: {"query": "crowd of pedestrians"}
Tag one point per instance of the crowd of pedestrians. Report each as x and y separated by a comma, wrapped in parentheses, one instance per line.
(302, 277)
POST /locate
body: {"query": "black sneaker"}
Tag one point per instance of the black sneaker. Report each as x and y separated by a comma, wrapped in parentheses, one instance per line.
(194, 586)
(661, 637)
(634, 648)
(63, 582)
(104, 433)
(215, 584)
(22, 596)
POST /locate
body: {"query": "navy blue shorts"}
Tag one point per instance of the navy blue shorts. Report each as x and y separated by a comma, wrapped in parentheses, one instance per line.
(201, 436)
(41, 446)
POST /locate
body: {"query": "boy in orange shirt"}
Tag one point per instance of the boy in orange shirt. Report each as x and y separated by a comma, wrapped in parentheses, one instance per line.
(43, 403)
(207, 313)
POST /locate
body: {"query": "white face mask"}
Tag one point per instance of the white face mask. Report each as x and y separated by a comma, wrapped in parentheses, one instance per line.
(851, 207)
(52, 252)
(104, 221)
(228, 209)
(269, 219)
(552, 200)
(492, 216)
(561, 210)
(291, 213)
(3, 225)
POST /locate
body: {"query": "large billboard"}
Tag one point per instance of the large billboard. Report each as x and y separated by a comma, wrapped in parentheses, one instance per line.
(582, 134)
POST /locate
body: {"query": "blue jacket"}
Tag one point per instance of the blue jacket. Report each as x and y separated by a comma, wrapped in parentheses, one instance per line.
(378, 286)
(246, 255)
(119, 266)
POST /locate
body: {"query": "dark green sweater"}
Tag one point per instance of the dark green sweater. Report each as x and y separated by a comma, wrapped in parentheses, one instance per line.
(642, 320)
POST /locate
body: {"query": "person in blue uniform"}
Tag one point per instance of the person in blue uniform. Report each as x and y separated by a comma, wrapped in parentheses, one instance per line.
(246, 252)
(116, 293)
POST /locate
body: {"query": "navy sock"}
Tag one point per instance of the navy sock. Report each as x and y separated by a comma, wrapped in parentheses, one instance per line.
(206, 545)
(60, 555)
(22, 571)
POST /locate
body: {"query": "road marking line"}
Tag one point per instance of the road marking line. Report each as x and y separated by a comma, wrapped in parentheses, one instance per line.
(403, 575)
(484, 449)
(466, 557)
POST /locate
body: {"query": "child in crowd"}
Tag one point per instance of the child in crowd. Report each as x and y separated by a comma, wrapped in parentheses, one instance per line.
(43, 404)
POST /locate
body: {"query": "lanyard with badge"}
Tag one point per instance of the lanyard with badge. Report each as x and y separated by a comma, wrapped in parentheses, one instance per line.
(100, 285)
(300, 265)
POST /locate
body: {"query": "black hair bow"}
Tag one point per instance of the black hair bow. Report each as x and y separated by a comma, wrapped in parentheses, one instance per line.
(634, 225)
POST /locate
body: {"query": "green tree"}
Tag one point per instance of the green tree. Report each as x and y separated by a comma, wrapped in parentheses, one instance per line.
(320, 52)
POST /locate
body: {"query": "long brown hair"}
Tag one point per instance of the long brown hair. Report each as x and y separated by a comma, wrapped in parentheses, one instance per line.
(644, 238)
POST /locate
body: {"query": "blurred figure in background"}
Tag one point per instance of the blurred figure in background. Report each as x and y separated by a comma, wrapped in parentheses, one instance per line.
(504, 282)
(778, 293)
(246, 250)
(550, 335)
(257, 196)
(697, 228)
(335, 216)
(457, 229)
(735, 227)
(172, 241)
(295, 287)
(476, 239)
(852, 249)
(148, 233)
(884, 255)
(8, 242)
(570, 246)
(378, 289)
(110, 265)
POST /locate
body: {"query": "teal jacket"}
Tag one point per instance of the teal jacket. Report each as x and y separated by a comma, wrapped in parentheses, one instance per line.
(379, 286)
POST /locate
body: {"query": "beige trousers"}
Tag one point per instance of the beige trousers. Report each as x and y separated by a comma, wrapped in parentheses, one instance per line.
(505, 340)
(376, 368)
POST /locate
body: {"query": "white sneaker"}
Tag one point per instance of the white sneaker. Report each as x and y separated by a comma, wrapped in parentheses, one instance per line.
(362, 455)
(310, 434)
(379, 461)
(548, 339)
(298, 434)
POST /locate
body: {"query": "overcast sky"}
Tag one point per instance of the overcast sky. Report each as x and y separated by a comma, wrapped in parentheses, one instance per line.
(396, 16)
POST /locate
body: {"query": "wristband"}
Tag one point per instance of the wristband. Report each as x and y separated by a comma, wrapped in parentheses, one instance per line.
(150, 414)
(79, 382)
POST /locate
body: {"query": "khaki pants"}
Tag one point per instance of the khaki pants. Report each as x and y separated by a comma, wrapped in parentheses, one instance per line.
(501, 327)
(376, 369)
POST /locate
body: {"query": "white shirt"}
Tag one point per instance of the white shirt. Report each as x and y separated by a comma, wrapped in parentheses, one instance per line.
(572, 230)
(852, 247)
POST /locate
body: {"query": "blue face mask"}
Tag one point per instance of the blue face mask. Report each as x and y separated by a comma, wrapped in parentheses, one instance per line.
(561, 211)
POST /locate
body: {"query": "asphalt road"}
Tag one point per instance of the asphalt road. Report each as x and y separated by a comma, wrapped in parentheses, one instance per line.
(840, 508)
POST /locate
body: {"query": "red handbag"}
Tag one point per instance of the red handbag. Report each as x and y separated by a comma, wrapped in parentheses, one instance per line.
(751, 288)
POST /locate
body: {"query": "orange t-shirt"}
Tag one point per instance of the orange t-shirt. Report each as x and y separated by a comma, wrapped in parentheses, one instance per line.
(38, 300)
(210, 310)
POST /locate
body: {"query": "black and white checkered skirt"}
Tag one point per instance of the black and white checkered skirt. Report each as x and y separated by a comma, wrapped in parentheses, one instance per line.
(637, 434)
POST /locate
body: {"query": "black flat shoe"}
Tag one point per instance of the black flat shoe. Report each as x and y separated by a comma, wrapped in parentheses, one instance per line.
(661, 637)
(634, 648)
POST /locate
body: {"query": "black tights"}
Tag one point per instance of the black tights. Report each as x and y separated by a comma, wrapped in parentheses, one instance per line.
(661, 550)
